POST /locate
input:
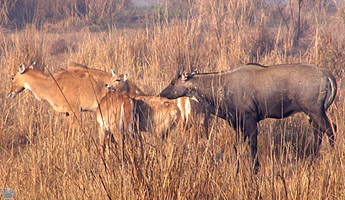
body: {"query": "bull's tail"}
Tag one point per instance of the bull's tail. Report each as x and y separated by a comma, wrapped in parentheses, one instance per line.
(331, 92)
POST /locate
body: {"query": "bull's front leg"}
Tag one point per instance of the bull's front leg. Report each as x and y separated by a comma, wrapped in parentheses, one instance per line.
(251, 132)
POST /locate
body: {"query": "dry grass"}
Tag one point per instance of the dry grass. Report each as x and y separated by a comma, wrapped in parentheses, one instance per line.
(39, 161)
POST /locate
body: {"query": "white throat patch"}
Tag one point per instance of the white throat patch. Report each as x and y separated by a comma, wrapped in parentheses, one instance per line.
(26, 86)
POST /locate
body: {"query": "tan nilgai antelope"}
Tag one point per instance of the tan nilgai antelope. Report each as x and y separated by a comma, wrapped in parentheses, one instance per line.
(70, 91)
(121, 83)
(115, 116)
(190, 110)
(153, 114)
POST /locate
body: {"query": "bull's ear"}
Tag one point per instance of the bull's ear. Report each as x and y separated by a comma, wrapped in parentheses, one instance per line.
(125, 77)
(179, 71)
(112, 73)
(185, 76)
(195, 71)
(21, 69)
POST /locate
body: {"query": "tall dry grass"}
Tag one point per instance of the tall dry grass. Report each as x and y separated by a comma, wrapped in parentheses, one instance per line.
(40, 161)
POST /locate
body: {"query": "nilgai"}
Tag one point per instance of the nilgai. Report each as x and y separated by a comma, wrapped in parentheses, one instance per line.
(191, 110)
(70, 91)
(122, 83)
(115, 116)
(254, 92)
(153, 114)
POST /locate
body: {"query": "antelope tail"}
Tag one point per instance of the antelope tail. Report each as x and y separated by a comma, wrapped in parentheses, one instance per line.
(122, 121)
(331, 92)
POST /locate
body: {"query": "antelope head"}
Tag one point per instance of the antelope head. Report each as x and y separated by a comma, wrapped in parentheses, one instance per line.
(17, 81)
(118, 82)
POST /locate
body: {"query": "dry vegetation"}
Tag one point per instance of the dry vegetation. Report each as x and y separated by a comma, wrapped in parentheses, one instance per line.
(40, 161)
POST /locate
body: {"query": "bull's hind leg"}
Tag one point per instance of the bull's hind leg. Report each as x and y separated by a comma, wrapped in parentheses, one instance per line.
(322, 125)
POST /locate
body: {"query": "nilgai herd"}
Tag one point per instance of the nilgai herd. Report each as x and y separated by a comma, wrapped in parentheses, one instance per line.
(242, 97)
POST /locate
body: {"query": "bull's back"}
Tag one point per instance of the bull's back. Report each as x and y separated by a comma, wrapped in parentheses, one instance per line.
(281, 90)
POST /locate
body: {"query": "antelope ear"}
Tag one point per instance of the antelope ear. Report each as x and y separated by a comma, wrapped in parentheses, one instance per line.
(125, 77)
(185, 76)
(112, 73)
(21, 69)
(32, 65)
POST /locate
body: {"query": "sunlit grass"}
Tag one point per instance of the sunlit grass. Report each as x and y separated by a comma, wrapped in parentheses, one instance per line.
(40, 159)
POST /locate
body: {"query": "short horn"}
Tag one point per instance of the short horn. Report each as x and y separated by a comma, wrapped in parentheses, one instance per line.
(179, 71)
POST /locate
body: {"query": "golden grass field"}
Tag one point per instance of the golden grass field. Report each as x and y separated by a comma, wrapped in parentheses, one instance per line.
(41, 158)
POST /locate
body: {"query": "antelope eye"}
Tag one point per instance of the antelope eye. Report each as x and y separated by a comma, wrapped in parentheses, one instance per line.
(12, 79)
(118, 80)
(172, 82)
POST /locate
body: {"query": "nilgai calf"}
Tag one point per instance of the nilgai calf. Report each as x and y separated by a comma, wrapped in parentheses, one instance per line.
(254, 92)
(191, 110)
(115, 116)
(153, 114)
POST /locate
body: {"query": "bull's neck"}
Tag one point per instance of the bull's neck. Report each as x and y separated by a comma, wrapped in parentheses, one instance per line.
(207, 85)
(42, 86)
(209, 90)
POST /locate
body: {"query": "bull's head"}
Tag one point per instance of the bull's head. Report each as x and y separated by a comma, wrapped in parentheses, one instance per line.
(179, 86)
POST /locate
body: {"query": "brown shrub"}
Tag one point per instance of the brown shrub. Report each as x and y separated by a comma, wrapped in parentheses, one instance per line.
(58, 47)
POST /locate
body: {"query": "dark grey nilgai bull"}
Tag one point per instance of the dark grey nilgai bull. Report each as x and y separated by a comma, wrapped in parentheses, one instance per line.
(254, 92)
